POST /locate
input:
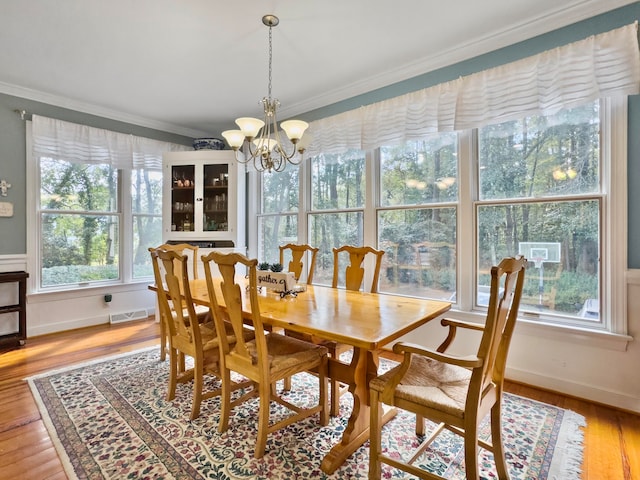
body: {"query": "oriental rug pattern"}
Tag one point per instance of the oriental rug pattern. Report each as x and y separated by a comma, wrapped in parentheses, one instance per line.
(110, 420)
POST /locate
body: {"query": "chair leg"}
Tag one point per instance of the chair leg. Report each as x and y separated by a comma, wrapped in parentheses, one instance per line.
(496, 440)
(287, 384)
(323, 381)
(173, 374)
(335, 386)
(374, 437)
(163, 341)
(419, 425)
(263, 419)
(471, 451)
(198, 385)
(225, 400)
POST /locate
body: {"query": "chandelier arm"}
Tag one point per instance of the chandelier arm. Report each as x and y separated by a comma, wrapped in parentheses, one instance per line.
(240, 158)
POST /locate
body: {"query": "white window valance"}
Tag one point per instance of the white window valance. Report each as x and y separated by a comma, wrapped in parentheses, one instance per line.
(83, 144)
(604, 65)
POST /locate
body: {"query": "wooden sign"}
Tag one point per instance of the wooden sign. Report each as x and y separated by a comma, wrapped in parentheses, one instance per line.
(278, 281)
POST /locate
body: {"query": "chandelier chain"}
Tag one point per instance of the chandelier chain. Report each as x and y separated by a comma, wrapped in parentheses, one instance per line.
(270, 57)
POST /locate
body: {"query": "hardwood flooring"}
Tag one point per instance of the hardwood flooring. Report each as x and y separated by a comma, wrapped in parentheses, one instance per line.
(612, 437)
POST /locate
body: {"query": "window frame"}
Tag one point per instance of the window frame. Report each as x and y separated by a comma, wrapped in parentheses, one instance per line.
(612, 332)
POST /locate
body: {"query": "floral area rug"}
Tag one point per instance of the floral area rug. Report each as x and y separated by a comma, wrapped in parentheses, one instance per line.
(110, 420)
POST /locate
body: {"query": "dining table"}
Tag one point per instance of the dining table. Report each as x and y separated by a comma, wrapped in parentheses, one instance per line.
(366, 321)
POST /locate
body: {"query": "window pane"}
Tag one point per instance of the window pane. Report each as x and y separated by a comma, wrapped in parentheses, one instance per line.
(280, 190)
(420, 172)
(147, 232)
(274, 231)
(327, 231)
(338, 181)
(79, 248)
(71, 186)
(541, 156)
(146, 191)
(146, 198)
(420, 246)
(563, 236)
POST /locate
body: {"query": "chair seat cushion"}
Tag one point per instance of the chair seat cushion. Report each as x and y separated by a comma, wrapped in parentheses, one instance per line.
(210, 336)
(430, 383)
(287, 353)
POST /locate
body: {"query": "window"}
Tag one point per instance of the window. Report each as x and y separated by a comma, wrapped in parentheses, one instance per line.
(448, 207)
(97, 205)
(146, 211)
(540, 195)
(278, 217)
(417, 218)
(336, 216)
(79, 223)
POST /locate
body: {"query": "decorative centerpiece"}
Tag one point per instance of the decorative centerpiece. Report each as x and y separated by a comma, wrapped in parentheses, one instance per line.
(272, 277)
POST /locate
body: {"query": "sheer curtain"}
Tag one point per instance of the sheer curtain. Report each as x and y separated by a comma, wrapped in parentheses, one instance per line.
(82, 144)
(600, 66)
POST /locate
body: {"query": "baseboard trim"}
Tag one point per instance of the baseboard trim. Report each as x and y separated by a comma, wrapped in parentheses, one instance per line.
(57, 327)
(581, 391)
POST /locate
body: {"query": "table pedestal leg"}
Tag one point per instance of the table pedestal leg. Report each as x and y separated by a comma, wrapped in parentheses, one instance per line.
(364, 366)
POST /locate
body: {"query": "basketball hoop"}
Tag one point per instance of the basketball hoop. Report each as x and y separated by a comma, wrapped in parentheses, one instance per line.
(538, 261)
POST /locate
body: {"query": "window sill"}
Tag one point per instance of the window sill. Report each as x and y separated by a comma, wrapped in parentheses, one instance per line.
(41, 297)
(564, 333)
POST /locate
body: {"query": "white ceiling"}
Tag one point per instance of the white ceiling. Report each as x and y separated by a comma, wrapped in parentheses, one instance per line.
(188, 66)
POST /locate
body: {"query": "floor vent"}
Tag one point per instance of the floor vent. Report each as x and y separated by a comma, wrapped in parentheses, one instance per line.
(128, 316)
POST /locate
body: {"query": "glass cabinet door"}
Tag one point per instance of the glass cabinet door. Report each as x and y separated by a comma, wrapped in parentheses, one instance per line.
(215, 198)
(182, 198)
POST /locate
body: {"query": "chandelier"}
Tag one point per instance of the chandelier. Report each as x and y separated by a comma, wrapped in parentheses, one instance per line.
(266, 150)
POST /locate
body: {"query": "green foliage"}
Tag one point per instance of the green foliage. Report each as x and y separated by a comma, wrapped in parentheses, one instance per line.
(74, 274)
(573, 289)
(276, 267)
(264, 266)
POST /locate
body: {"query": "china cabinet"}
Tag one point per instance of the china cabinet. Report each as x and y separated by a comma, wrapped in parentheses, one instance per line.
(203, 199)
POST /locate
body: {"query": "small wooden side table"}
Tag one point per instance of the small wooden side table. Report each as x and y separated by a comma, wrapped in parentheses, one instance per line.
(20, 336)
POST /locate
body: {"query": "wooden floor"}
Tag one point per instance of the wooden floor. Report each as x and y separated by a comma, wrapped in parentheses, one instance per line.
(612, 437)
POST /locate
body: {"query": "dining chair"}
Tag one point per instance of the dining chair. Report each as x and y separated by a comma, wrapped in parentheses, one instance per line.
(267, 358)
(354, 277)
(354, 272)
(187, 335)
(192, 253)
(454, 391)
(296, 265)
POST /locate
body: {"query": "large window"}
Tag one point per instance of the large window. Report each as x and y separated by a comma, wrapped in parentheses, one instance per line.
(80, 222)
(448, 207)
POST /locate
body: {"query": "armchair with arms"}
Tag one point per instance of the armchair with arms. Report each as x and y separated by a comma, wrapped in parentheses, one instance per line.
(453, 391)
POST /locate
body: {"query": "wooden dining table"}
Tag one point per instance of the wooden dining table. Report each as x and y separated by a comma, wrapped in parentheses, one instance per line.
(366, 321)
